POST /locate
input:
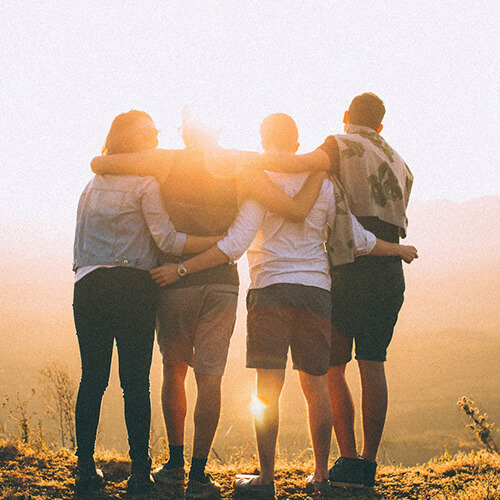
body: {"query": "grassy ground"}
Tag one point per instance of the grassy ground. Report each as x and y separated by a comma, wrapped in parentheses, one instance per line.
(28, 473)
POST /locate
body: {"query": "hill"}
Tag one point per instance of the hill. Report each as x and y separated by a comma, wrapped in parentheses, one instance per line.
(42, 475)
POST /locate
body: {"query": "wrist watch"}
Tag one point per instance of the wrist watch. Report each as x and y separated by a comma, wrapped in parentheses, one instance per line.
(181, 270)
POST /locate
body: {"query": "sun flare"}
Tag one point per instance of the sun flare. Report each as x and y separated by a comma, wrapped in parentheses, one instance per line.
(257, 407)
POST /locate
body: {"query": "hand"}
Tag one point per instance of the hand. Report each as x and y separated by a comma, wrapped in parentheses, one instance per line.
(408, 253)
(165, 275)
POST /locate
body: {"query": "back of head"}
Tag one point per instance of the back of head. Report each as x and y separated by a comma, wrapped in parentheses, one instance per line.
(278, 132)
(131, 132)
(366, 109)
(198, 131)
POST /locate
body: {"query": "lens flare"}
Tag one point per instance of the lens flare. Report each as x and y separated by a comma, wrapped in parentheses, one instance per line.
(257, 407)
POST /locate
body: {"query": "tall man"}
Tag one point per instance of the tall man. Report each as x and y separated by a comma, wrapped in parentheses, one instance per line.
(367, 294)
(288, 303)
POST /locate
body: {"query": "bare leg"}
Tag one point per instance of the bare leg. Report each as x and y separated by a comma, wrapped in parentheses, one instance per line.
(173, 398)
(343, 411)
(269, 386)
(206, 413)
(320, 420)
(374, 405)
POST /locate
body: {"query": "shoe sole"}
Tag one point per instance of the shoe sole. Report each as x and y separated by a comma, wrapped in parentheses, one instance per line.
(169, 482)
(202, 496)
(252, 495)
(347, 485)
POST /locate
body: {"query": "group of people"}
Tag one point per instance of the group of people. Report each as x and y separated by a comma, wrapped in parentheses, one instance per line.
(157, 236)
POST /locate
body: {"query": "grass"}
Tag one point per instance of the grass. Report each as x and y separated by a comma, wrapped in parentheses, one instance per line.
(28, 473)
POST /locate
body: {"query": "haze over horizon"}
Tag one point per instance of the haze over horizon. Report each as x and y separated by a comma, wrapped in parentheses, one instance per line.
(69, 68)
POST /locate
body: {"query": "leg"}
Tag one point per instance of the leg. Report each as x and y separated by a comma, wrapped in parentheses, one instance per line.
(173, 399)
(269, 386)
(320, 420)
(343, 411)
(374, 405)
(206, 413)
(137, 304)
(93, 322)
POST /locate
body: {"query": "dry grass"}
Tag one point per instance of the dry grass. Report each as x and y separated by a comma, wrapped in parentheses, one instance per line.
(26, 473)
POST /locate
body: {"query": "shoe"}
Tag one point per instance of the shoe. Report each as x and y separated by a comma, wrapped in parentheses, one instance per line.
(87, 477)
(203, 488)
(313, 486)
(140, 479)
(348, 473)
(175, 476)
(243, 487)
(370, 471)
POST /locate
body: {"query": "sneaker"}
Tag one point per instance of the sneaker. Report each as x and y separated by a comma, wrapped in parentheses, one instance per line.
(243, 487)
(348, 473)
(313, 486)
(205, 488)
(87, 477)
(140, 479)
(370, 471)
(176, 476)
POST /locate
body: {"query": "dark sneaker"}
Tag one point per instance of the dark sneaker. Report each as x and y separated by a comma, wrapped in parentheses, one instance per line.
(370, 471)
(140, 480)
(313, 486)
(203, 488)
(243, 487)
(348, 473)
(87, 477)
(176, 476)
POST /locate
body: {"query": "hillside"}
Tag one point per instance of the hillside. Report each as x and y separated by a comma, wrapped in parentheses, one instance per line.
(42, 475)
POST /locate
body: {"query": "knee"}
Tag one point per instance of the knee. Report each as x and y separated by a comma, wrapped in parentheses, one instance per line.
(93, 385)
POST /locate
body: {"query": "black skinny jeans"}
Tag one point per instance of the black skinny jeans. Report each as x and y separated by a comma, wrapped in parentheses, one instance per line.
(115, 304)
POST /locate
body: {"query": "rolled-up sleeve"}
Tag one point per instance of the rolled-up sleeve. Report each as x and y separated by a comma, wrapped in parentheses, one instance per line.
(243, 230)
(158, 221)
(364, 240)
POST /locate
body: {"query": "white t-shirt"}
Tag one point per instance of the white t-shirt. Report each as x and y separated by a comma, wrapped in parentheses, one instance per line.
(281, 251)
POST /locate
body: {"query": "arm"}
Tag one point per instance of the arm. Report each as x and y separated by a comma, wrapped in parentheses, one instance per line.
(406, 252)
(287, 162)
(162, 229)
(156, 162)
(377, 247)
(197, 244)
(232, 247)
(260, 187)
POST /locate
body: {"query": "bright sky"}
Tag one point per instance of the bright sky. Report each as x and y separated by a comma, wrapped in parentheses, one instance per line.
(68, 67)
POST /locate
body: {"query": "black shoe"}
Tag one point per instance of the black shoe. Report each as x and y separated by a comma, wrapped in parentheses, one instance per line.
(370, 470)
(348, 473)
(87, 477)
(140, 480)
(353, 473)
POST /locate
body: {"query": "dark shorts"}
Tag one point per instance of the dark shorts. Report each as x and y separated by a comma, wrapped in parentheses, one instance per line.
(289, 315)
(366, 298)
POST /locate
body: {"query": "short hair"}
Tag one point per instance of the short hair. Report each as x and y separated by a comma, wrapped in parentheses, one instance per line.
(366, 109)
(279, 131)
(127, 136)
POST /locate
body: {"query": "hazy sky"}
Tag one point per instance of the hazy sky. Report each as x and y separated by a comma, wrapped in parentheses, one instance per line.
(68, 67)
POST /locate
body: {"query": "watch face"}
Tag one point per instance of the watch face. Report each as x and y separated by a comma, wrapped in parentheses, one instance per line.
(181, 270)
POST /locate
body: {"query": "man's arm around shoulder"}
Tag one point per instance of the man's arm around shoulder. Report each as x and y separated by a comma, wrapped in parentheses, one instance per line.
(156, 162)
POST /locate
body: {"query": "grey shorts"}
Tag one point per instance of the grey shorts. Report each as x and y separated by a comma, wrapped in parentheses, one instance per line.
(284, 316)
(195, 325)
